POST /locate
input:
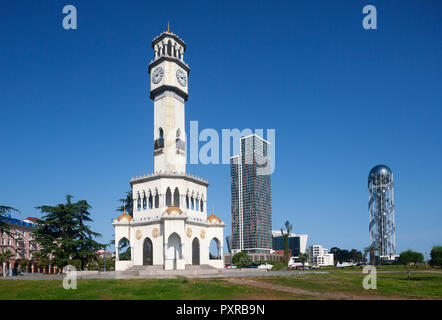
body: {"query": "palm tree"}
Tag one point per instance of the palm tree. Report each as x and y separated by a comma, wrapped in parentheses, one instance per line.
(371, 249)
(24, 263)
(303, 258)
(4, 211)
(286, 235)
(4, 257)
(126, 203)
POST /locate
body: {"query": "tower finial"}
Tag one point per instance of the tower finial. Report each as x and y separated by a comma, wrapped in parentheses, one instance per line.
(168, 29)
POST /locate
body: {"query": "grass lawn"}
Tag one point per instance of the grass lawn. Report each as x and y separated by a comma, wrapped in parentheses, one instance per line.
(420, 285)
(162, 289)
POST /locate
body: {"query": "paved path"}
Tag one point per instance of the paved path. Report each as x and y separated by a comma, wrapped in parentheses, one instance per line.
(303, 292)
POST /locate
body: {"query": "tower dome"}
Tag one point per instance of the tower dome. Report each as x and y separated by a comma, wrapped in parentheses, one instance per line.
(213, 218)
(381, 169)
(124, 217)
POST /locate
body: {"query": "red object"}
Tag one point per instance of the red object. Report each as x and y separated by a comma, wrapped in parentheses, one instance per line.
(31, 218)
(281, 252)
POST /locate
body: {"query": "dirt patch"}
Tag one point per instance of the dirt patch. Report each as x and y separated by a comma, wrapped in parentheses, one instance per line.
(303, 292)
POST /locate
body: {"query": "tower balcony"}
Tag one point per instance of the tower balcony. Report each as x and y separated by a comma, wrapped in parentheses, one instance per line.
(180, 144)
(158, 144)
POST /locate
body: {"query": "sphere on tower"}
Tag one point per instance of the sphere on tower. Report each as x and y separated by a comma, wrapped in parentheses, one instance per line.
(381, 211)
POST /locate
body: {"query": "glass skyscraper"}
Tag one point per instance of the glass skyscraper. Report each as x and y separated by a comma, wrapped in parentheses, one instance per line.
(251, 196)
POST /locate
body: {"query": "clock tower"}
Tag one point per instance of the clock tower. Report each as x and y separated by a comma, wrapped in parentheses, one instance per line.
(169, 91)
(169, 226)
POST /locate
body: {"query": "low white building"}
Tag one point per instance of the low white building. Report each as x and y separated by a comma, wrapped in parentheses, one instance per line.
(319, 256)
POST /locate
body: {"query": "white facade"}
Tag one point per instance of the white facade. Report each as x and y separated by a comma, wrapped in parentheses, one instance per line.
(319, 256)
(169, 226)
(302, 239)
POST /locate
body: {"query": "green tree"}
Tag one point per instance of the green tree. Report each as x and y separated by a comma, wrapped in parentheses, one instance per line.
(127, 204)
(409, 256)
(241, 260)
(4, 211)
(86, 245)
(355, 256)
(63, 235)
(4, 257)
(285, 236)
(436, 256)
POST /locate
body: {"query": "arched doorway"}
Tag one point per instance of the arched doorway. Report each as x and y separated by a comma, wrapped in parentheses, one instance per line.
(124, 252)
(147, 252)
(215, 249)
(174, 248)
(195, 251)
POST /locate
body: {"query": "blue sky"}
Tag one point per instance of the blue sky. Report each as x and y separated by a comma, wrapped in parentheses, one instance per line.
(76, 117)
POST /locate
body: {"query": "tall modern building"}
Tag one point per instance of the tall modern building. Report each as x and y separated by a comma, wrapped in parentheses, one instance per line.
(381, 211)
(251, 196)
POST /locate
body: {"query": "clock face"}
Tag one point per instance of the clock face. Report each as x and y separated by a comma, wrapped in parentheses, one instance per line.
(181, 77)
(157, 75)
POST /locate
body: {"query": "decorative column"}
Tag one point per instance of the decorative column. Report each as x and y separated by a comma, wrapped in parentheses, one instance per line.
(182, 251)
(183, 201)
(117, 256)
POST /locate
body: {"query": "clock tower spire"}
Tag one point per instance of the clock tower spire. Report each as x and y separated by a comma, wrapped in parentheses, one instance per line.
(169, 91)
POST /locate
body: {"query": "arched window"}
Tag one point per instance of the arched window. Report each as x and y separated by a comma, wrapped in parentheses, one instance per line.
(157, 200)
(139, 204)
(192, 203)
(168, 197)
(144, 202)
(187, 201)
(197, 205)
(176, 198)
(150, 201)
(169, 48)
(179, 142)
(159, 143)
(202, 204)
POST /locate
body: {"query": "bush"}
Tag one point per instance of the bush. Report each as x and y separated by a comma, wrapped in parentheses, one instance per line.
(436, 256)
(278, 265)
(241, 260)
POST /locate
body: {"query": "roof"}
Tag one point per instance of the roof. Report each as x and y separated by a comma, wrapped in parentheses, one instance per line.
(174, 210)
(213, 218)
(17, 222)
(124, 217)
(379, 169)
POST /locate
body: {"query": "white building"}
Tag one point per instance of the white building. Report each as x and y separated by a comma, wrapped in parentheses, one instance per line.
(297, 242)
(319, 256)
(169, 226)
